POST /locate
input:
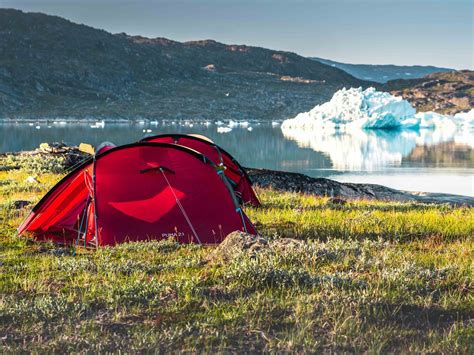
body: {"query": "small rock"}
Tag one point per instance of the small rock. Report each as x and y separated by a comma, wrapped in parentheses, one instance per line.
(237, 243)
(19, 204)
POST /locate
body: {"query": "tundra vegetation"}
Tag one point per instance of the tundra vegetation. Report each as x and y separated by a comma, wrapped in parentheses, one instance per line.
(366, 276)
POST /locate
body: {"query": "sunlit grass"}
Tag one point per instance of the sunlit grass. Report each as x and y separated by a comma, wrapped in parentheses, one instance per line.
(309, 217)
(371, 276)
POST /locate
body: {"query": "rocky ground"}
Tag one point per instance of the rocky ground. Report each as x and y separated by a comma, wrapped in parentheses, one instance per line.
(447, 93)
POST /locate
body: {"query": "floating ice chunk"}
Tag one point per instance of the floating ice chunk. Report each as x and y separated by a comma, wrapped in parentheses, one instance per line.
(38, 127)
(98, 124)
(223, 129)
(356, 108)
(219, 123)
(275, 124)
(432, 119)
(469, 115)
(465, 119)
(242, 124)
(30, 124)
(250, 129)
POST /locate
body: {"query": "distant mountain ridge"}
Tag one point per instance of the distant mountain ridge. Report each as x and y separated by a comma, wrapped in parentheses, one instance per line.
(384, 72)
(53, 67)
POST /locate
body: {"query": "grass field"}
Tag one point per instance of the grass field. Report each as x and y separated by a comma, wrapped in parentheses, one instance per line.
(371, 276)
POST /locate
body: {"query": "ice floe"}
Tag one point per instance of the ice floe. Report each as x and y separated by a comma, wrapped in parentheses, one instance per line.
(223, 129)
(242, 124)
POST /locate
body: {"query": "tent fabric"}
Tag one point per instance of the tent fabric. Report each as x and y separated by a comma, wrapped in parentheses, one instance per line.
(239, 179)
(139, 192)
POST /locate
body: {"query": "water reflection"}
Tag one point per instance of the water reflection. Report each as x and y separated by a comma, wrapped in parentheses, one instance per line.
(371, 150)
(263, 146)
(424, 159)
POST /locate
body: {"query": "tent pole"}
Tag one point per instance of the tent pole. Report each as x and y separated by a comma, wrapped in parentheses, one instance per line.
(181, 207)
(94, 200)
(82, 222)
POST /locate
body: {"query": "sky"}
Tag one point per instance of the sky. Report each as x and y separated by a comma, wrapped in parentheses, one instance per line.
(404, 32)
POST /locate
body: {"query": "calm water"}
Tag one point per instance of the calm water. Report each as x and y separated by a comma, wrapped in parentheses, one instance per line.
(426, 160)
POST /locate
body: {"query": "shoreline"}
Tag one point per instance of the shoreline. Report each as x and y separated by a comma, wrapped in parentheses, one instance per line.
(292, 182)
(297, 182)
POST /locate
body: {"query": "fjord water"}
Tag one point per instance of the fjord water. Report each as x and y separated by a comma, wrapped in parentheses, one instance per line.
(423, 160)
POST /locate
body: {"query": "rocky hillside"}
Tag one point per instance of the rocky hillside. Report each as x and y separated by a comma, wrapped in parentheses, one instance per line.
(383, 73)
(52, 67)
(447, 93)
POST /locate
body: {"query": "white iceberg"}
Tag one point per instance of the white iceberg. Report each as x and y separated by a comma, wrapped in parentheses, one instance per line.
(466, 116)
(432, 119)
(344, 129)
(465, 119)
(372, 109)
(357, 108)
(243, 124)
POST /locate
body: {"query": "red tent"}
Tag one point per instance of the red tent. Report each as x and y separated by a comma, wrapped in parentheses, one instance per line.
(236, 175)
(138, 192)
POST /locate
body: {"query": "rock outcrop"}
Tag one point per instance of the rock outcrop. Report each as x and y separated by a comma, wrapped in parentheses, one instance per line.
(294, 182)
(446, 93)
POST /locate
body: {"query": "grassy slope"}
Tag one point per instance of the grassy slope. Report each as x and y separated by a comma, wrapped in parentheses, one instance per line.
(373, 276)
